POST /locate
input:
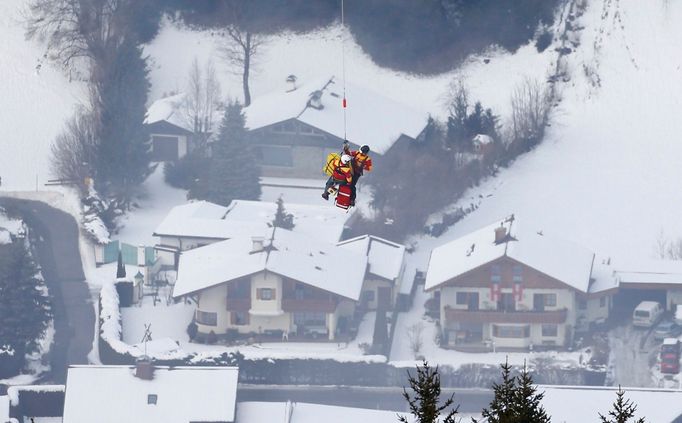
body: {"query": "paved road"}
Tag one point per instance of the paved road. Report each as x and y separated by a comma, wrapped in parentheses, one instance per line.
(56, 236)
(470, 400)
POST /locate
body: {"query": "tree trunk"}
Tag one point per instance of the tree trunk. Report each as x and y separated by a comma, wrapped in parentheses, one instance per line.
(247, 65)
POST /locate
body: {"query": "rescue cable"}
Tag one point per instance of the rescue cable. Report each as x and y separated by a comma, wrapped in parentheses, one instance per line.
(343, 68)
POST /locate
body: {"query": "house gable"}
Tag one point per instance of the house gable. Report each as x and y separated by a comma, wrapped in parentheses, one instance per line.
(163, 127)
(480, 277)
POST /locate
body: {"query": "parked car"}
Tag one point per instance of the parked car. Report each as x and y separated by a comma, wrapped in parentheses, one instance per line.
(647, 314)
(670, 349)
(670, 366)
(667, 329)
(678, 314)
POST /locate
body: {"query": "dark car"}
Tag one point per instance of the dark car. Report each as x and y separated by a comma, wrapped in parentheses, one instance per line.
(666, 329)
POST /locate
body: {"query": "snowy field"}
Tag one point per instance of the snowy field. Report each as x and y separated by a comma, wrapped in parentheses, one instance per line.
(36, 99)
(171, 321)
(607, 176)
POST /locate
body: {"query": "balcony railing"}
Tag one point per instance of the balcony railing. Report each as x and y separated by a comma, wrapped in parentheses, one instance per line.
(238, 304)
(493, 316)
(313, 305)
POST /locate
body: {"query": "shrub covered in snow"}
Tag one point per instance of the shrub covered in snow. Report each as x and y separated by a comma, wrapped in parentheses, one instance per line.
(96, 214)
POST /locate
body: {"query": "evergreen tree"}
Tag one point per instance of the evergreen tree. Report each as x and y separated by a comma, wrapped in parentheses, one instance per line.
(233, 173)
(283, 219)
(123, 153)
(24, 308)
(502, 407)
(623, 411)
(424, 401)
(120, 268)
(527, 400)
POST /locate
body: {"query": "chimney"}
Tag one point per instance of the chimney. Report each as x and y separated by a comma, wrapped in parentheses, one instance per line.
(144, 368)
(257, 243)
(500, 234)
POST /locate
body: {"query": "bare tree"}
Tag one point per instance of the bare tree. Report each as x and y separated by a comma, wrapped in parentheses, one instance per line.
(78, 28)
(202, 99)
(74, 150)
(530, 103)
(239, 50)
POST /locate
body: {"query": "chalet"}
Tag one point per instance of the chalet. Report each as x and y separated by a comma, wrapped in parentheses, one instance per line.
(285, 283)
(513, 287)
(145, 393)
(201, 223)
(293, 131)
(385, 272)
(170, 130)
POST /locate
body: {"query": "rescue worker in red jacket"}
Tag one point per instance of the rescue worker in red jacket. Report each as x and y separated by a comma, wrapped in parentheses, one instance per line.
(342, 174)
(361, 163)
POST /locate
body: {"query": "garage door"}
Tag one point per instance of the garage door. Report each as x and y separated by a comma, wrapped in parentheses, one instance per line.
(164, 148)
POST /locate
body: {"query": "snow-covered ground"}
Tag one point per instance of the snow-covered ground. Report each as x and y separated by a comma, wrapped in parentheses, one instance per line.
(607, 174)
(318, 54)
(36, 98)
(171, 321)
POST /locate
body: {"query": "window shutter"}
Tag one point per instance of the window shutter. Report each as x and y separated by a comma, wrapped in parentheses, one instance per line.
(258, 293)
(274, 291)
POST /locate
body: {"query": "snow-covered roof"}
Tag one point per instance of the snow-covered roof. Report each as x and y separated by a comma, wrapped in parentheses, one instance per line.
(371, 118)
(4, 408)
(385, 257)
(169, 109)
(671, 341)
(649, 272)
(202, 219)
(286, 253)
(259, 412)
(579, 404)
(184, 394)
(603, 276)
(555, 257)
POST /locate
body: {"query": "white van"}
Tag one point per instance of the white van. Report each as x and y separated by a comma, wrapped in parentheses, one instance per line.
(647, 314)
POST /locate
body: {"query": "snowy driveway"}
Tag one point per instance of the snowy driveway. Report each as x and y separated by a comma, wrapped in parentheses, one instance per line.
(628, 364)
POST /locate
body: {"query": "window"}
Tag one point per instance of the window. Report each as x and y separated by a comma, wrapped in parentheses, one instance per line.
(152, 398)
(540, 301)
(310, 319)
(506, 302)
(367, 296)
(550, 330)
(265, 294)
(582, 304)
(503, 331)
(518, 273)
(239, 289)
(206, 318)
(495, 273)
(270, 155)
(550, 300)
(239, 318)
(602, 302)
(468, 298)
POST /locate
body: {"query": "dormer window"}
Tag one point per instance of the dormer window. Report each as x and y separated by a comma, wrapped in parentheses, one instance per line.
(151, 399)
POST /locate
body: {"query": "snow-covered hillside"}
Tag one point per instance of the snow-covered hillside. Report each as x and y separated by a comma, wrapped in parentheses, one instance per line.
(608, 175)
(35, 100)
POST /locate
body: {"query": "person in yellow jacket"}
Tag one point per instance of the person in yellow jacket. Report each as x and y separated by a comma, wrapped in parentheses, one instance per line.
(342, 173)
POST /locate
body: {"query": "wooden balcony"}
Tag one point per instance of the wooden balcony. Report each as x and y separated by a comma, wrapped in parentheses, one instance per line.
(238, 304)
(494, 316)
(315, 305)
